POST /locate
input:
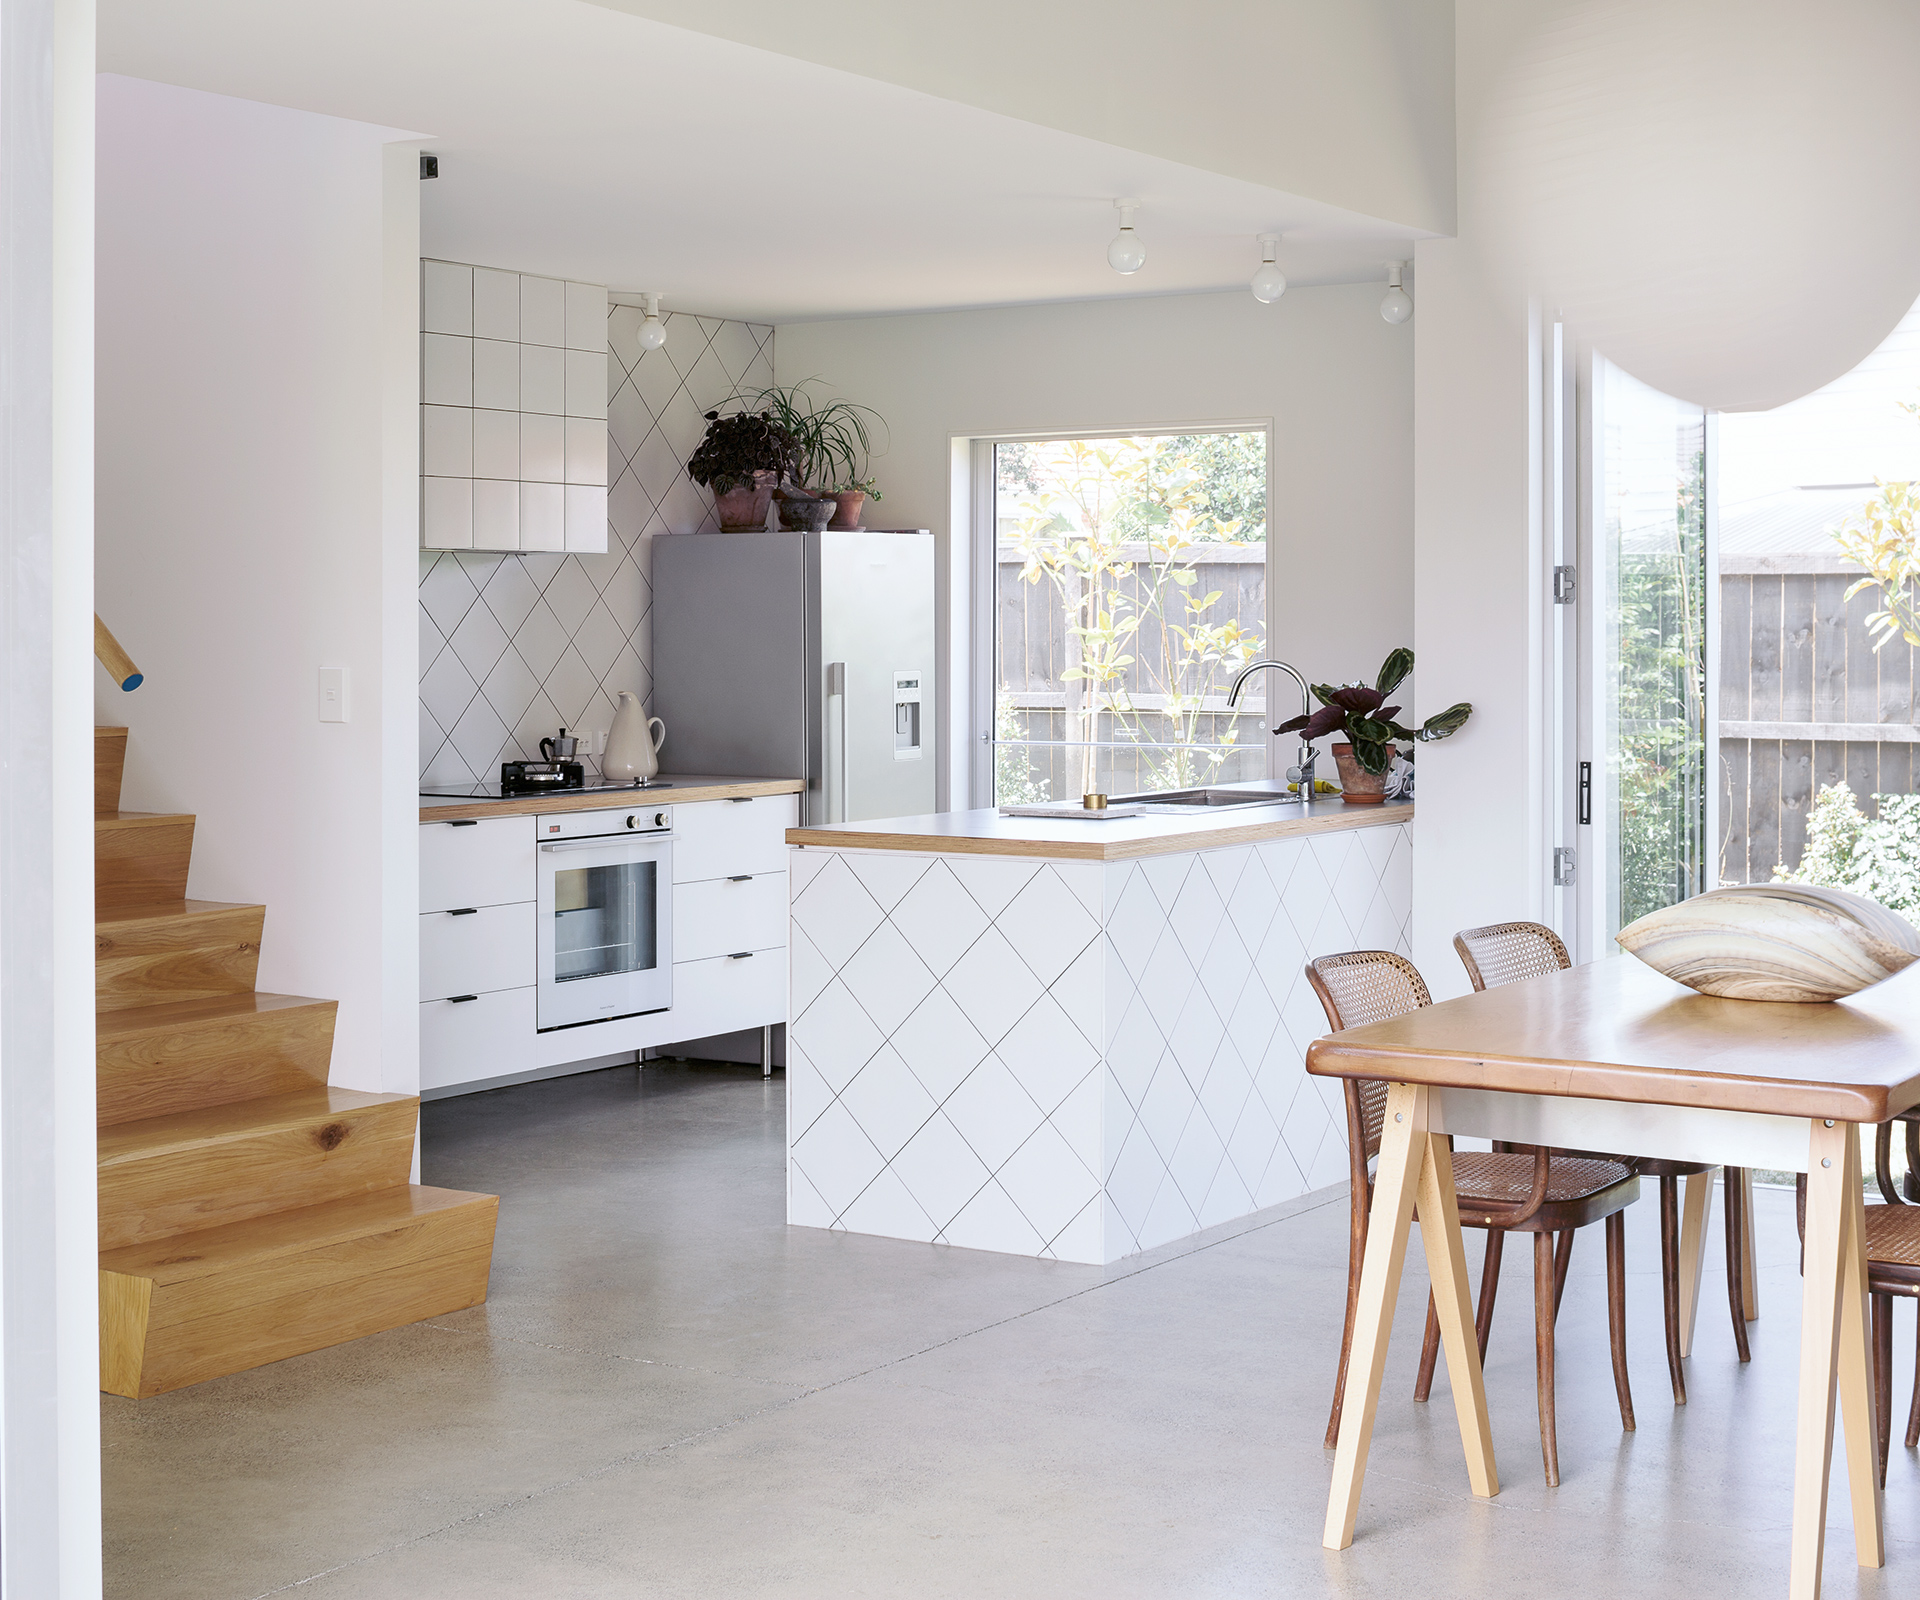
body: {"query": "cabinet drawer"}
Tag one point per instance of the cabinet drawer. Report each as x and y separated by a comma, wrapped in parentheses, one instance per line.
(488, 864)
(719, 838)
(723, 994)
(490, 949)
(721, 915)
(468, 1041)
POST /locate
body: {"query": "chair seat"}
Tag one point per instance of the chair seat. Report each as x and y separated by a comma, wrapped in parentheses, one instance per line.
(1893, 1249)
(1579, 1189)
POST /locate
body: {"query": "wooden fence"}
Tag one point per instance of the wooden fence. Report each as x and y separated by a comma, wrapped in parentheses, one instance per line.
(1805, 701)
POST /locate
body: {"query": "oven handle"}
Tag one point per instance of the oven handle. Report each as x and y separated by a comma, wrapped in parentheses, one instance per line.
(606, 841)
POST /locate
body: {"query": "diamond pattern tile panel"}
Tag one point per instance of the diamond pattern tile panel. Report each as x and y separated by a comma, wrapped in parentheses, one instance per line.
(1060, 1060)
(513, 646)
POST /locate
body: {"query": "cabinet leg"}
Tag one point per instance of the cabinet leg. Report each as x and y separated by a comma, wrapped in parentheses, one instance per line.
(766, 1051)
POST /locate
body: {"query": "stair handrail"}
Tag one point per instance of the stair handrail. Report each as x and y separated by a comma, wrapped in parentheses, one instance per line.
(107, 652)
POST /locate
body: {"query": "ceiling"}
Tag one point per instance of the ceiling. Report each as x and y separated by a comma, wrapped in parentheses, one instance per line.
(585, 142)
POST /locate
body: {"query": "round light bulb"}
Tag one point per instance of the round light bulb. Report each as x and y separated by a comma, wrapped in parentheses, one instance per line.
(1269, 283)
(1397, 306)
(1126, 253)
(653, 334)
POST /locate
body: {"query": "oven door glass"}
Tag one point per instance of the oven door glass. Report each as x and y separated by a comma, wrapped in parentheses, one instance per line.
(604, 931)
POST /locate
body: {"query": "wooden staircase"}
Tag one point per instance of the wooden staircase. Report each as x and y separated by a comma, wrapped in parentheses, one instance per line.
(248, 1211)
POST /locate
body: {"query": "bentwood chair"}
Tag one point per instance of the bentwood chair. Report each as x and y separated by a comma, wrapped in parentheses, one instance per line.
(1542, 1193)
(1893, 1268)
(1507, 952)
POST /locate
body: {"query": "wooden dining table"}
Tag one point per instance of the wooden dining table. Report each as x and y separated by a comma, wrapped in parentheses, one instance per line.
(1613, 1056)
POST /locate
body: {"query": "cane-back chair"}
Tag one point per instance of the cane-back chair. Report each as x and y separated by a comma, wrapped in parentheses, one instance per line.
(1541, 1193)
(1508, 952)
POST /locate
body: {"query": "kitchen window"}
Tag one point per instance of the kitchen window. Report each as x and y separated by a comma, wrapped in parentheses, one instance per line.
(1128, 583)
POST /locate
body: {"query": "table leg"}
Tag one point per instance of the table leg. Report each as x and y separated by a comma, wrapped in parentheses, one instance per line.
(1832, 1343)
(1696, 1209)
(1857, 1397)
(1403, 1147)
(1447, 1266)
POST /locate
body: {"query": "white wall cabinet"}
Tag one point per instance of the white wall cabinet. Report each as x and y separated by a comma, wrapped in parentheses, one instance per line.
(729, 912)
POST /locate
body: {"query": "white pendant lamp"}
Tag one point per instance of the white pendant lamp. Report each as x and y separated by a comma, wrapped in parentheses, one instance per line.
(653, 332)
(1269, 283)
(1397, 304)
(1126, 254)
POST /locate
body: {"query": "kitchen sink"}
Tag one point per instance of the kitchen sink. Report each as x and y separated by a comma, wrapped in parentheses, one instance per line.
(1186, 799)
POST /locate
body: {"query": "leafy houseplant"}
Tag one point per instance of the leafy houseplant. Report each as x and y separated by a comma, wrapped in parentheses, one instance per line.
(1364, 717)
(741, 459)
(833, 443)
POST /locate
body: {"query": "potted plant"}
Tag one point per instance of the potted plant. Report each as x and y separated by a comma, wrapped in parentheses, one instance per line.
(742, 459)
(834, 445)
(1364, 717)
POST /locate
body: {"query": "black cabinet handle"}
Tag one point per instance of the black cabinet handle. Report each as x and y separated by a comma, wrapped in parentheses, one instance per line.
(741, 955)
(459, 999)
(741, 799)
(465, 911)
(465, 822)
(745, 877)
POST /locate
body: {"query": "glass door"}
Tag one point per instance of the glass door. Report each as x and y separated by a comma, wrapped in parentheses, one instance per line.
(603, 920)
(605, 929)
(1645, 782)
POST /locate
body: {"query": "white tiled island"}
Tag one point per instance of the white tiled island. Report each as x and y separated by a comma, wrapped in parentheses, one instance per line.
(1066, 1038)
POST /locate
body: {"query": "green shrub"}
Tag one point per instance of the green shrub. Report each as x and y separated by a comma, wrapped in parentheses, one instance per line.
(1876, 857)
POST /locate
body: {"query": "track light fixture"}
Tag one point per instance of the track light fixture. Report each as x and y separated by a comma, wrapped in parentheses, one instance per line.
(1126, 254)
(653, 332)
(1397, 305)
(1269, 283)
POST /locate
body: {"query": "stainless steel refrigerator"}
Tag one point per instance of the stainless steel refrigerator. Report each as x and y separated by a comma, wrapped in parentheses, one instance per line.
(800, 655)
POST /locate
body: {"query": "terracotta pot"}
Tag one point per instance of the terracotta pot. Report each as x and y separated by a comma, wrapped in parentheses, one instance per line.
(850, 503)
(744, 509)
(1359, 787)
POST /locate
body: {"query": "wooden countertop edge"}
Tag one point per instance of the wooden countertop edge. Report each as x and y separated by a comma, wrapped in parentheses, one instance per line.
(1784, 1097)
(838, 838)
(540, 805)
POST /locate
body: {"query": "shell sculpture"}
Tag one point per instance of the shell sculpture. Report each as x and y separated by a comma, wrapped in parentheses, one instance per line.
(1774, 941)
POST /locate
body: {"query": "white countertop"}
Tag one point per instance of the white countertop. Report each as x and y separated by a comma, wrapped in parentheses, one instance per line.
(987, 832)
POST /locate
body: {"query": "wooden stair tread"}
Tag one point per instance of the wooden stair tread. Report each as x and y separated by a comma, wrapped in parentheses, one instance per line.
(169, 911)
(234, 1245)
(236, 1119)
(140, 819)
(170, 1014)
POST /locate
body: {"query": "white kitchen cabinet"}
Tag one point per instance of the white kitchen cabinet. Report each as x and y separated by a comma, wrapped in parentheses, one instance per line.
(729, 910)
(722, 915)
(474, 952)
(726, 993)
(484, 863)
(470, 1041)
(720, 838)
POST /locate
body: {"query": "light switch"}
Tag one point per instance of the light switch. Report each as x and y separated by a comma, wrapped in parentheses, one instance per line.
(333, 694)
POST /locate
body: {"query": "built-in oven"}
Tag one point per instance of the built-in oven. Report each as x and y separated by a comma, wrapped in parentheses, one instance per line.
(605, 923)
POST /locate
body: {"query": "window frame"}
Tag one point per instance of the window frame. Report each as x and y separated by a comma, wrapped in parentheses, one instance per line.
(983, 562)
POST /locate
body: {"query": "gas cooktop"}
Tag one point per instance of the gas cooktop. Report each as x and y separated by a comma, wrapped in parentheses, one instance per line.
(494, 791)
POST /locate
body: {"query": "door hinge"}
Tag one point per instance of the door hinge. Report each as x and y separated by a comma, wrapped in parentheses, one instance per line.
(1584, 810)
(1563, 867)
(1565, 581)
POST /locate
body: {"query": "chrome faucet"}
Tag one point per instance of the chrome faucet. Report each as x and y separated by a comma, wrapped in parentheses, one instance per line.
(1302, 774)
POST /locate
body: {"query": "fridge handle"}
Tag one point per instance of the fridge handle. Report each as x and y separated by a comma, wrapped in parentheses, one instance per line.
(837, 689)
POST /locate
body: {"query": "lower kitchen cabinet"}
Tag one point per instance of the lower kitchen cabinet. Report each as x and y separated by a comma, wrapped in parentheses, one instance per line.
(479, 937)
(726, 993)
(470, 1041)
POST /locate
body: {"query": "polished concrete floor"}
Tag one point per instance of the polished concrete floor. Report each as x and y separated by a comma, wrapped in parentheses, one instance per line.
(670, 1393)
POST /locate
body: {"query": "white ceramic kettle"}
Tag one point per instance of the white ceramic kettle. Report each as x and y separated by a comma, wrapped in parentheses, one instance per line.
(633, 748)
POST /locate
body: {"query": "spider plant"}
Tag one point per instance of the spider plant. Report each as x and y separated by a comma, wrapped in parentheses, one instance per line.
(1355, 710)
(833, 438)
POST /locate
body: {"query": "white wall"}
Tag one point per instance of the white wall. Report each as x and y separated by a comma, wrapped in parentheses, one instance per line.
(257, 374)
(1336, 381)
(1480, 580)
